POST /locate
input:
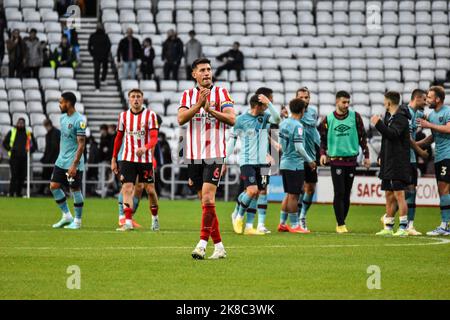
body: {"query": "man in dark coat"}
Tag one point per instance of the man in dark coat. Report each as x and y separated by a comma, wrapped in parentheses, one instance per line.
(17, 142)
(172, 53)
(99, 47)
(51, 152)
(394, 160)
(129, 51)
(234, 61)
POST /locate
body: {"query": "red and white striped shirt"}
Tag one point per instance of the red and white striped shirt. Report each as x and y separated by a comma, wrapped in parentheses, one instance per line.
(205, 134)
(137, 129)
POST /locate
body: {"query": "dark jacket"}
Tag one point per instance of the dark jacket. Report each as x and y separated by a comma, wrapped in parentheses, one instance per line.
(99, 45)
(51, 146)
(235, 57)
(106, 147)
(18, 149)
(394, 154)
(122, 49)
(63, 56)
(17, 51)
(172, 50)
(147, 61)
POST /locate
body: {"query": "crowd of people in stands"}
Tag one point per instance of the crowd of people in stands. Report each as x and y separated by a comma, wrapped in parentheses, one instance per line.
(130, 51)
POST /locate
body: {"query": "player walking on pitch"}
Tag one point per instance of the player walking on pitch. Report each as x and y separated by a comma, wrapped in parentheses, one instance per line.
(252, 128)
(312, 145)
(292, 166)
(395, 160)
(70, 163)
(439, 123)
(140, 127)
(207, 109)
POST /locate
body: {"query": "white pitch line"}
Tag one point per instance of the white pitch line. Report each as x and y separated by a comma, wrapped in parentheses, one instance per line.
(439, 241)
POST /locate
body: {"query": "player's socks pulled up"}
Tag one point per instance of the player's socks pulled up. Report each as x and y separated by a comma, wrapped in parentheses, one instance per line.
(411, 201)
(283, 217)
(120, 205)
(78, 203)
(262, 209)
(306, 204)
(61, 200)
(245, 203)
(445, 210)
(251, 212)
(293, 219)
(128, 216)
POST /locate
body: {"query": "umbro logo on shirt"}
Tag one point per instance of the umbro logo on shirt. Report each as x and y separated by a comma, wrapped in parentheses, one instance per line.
(342, 128)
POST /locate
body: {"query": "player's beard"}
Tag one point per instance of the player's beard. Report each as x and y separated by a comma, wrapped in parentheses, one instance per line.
(432, 105)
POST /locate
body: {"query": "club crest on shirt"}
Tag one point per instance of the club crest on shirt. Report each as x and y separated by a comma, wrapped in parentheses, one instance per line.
(441, 119)
(339, 172)
(70, 126)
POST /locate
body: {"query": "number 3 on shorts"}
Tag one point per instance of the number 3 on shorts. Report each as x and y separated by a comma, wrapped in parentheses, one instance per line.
(443, 171)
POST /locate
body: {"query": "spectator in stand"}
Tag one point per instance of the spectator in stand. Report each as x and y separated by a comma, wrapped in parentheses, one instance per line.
(72, 37)
(3, 26)
(192, 52)
(94, 158)
(112, 131)
(105, 144)
(148, 55)
(51, 150)
(99, 47)
(234, 60)
(63, 56)
(129, 51)
(18, 142)
(46, 54)
(33, 56)
(172, 53)
(163, 156)
(17, 54)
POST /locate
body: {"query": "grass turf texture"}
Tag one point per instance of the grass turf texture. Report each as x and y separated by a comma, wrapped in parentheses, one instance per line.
(146, 265)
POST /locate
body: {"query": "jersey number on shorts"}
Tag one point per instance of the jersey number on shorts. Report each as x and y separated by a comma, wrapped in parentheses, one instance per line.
(443, 171)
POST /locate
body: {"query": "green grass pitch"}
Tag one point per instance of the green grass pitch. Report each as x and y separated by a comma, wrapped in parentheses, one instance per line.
(146, 265)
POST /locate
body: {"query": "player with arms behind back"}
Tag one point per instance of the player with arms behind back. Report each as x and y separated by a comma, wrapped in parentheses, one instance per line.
(207, 109)
(69, 166)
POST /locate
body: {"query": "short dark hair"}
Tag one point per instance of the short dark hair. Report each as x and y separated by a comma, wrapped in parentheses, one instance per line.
(439, 92)
(149, 40)
(200, 61)
(342, 94)
(48, 122)
(254, 101)
(69, 96)
(33, 30)
(303, 89)
(104, 127)
(192, 32)
(265, 91)
(393, 96)
(135, 90)
(237, 43)
(297, 105)
(417, 93)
